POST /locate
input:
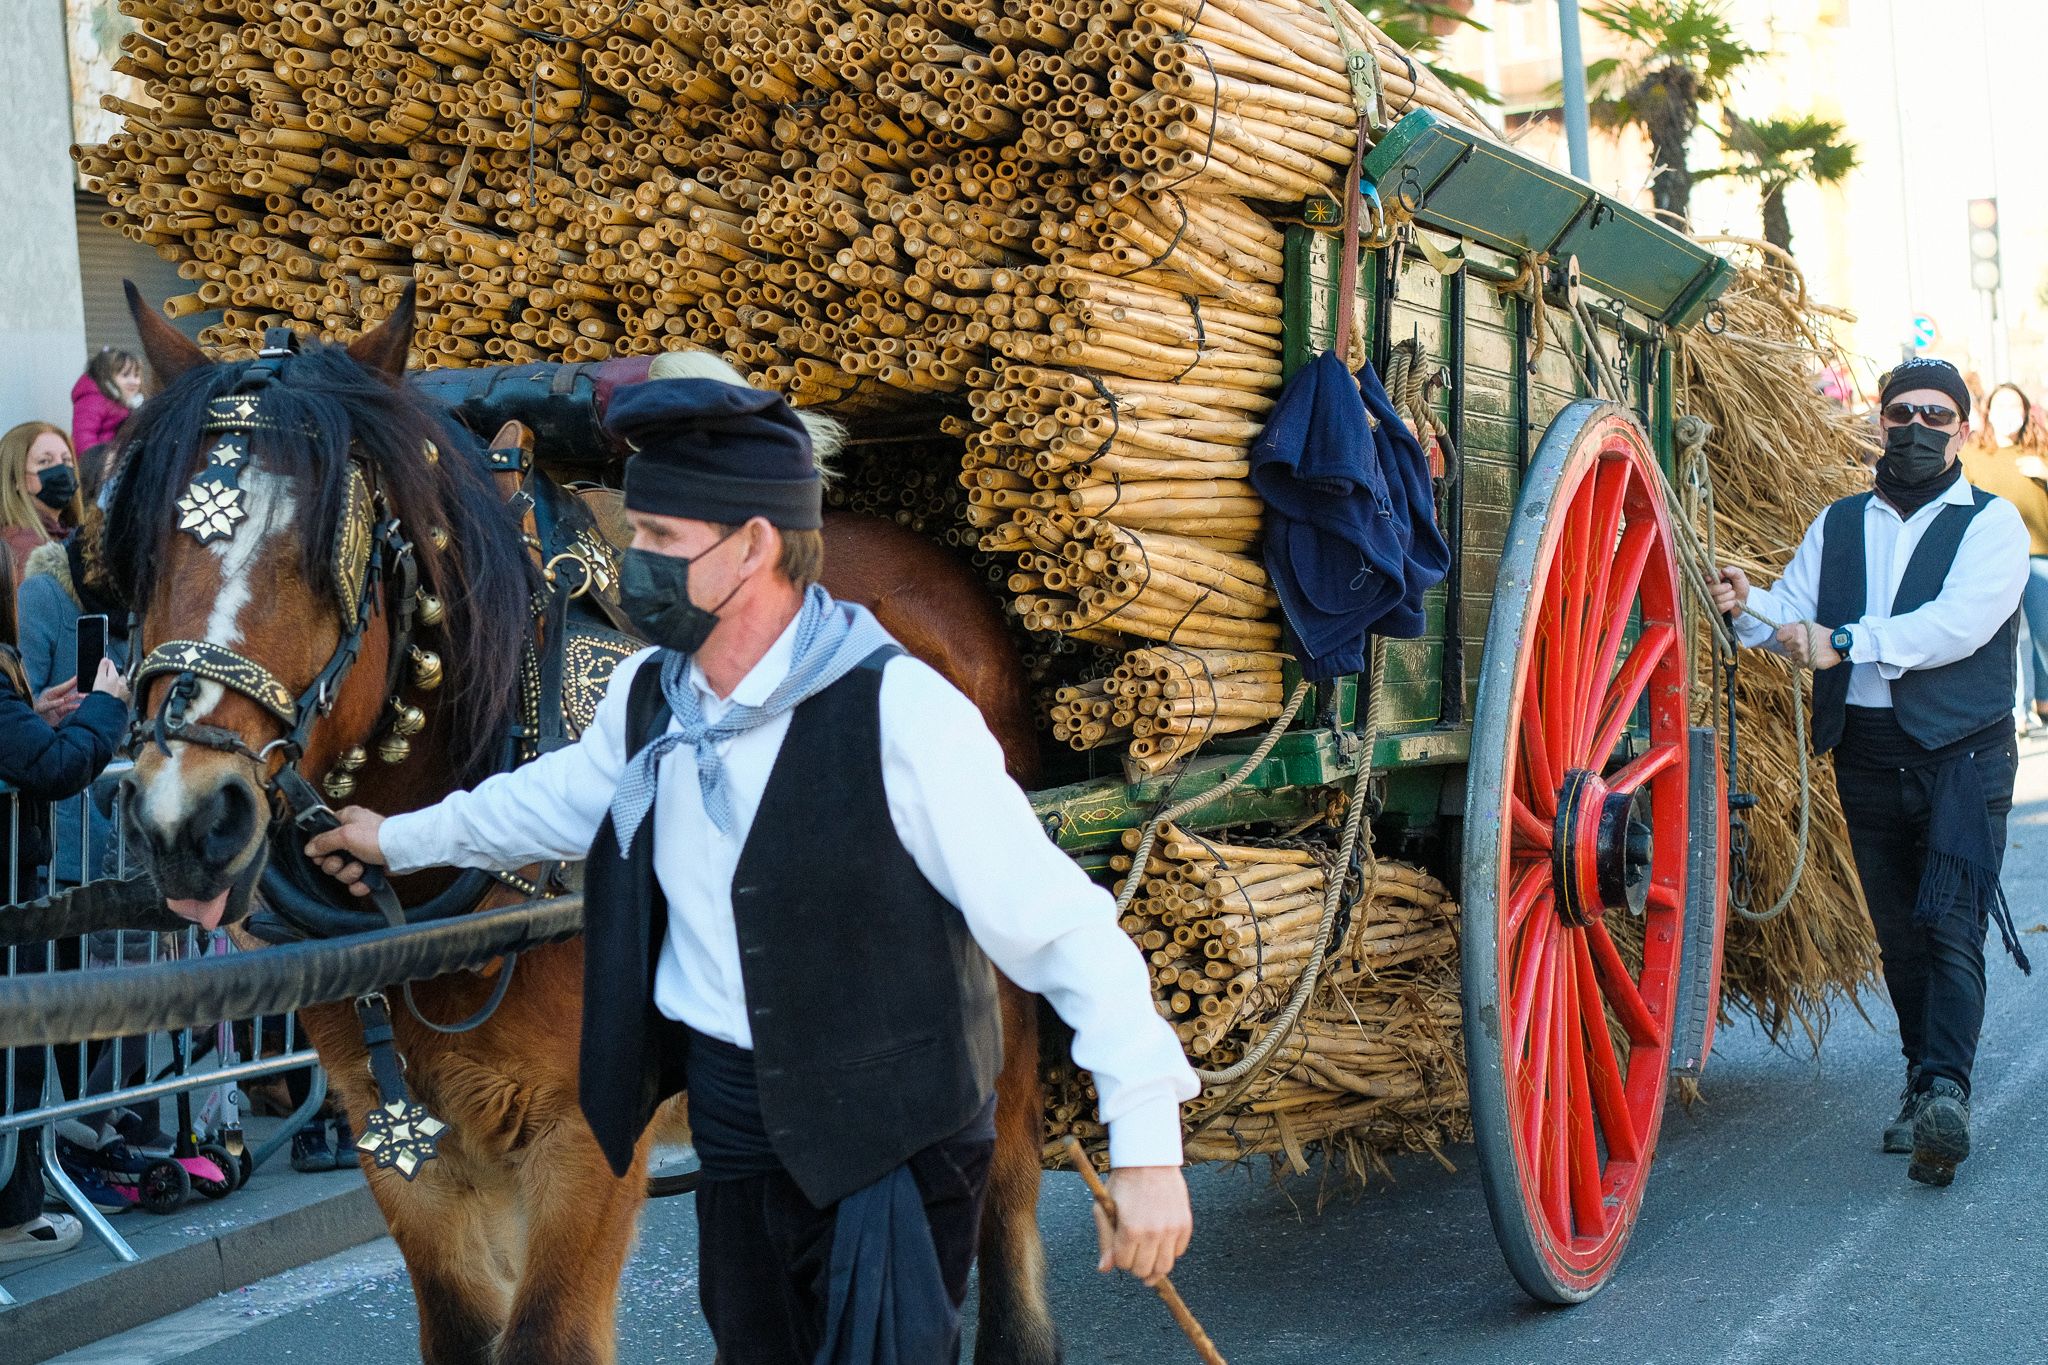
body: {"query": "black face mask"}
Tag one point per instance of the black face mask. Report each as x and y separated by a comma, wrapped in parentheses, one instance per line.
(655, 591)
(1914, 469)
(59, 487)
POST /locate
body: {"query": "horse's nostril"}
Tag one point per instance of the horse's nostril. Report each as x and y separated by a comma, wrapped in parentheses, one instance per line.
(225, 823)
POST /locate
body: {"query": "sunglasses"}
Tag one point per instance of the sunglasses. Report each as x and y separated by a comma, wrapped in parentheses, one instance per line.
(1930, 415)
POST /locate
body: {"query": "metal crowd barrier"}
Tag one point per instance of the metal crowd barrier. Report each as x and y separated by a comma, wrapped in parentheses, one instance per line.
(203, 1069)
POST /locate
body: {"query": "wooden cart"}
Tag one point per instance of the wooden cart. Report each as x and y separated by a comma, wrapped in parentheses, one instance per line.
(1535, 746)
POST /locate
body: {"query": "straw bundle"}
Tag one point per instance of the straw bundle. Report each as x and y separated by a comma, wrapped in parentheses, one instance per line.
(1779, 453)
(1376, 1064)
(1167, 700)
(1051, 215)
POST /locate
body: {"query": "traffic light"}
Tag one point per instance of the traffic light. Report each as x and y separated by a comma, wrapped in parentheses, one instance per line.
(1984, 273)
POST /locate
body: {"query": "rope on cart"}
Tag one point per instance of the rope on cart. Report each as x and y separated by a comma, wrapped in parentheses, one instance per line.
(1692, 434)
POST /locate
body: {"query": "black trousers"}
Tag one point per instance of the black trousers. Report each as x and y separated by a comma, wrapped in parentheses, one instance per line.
(766, 1253)
(1935, 975)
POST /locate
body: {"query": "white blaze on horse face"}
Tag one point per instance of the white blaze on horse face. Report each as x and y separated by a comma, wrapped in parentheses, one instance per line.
(273, 509)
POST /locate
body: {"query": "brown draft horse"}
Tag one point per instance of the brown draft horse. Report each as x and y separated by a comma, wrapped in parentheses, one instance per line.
(515, 1237)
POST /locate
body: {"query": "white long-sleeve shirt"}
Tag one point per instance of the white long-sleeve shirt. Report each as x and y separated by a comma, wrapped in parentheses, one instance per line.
(966, 824)
(1979, 595)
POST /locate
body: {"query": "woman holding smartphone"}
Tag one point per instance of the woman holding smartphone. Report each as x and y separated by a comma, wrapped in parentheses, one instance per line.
(44, 758)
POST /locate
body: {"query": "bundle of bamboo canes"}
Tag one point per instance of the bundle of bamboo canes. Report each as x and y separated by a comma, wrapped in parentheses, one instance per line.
(1053, 215)
(1778, 454)
(1166, 701)
(1375, 1064)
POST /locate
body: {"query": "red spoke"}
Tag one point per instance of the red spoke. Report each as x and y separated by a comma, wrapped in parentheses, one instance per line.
(1643, 767)
(1620, 988)
(1587, 1208)
(1528, 827)
(1610, 496)
(1605, 1068)
(1530, 962)
(1616, 608)
(1557, 1143)
(1577, 553)
(1537, 1071)
(1665, 897)
(1530, 885)
(1628, 688)
(1541, 780)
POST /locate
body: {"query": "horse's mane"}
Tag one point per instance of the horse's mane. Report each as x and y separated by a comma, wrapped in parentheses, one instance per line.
(321, 405)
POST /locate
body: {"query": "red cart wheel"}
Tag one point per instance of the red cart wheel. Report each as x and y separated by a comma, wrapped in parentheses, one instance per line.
(1575, 854)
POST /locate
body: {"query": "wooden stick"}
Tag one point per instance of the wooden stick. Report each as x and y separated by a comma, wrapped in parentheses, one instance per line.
(1198, 1338)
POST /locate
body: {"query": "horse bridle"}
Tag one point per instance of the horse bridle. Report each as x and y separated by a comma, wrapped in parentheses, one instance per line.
(370, 549)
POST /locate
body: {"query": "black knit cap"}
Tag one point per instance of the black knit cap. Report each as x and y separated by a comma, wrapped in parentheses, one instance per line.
(1925, 372)
(713, 451)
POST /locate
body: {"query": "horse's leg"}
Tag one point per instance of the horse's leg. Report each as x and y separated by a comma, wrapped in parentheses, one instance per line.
(450, 1232)
(580, 1222)
(1015, 1326)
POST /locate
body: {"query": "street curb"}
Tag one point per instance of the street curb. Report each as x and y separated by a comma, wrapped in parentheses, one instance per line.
(130, 1295)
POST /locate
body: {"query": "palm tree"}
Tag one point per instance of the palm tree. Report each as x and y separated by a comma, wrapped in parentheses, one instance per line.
(1682, 54)
(1420, 27)
(1777, 153)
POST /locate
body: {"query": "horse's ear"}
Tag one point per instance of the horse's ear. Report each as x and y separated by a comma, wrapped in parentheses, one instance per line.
(383, 347)
(171, 353)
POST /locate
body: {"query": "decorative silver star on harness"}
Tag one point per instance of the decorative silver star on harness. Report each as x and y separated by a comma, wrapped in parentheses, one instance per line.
(211, 511)
(401, 1136)
(227, 455)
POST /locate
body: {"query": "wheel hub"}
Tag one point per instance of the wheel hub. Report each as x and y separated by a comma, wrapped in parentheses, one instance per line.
(1601, 849)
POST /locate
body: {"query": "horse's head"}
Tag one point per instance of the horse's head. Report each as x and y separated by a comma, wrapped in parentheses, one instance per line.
(286, 528)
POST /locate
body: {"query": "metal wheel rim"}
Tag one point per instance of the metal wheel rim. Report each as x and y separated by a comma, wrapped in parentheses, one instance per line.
(1565, 1254)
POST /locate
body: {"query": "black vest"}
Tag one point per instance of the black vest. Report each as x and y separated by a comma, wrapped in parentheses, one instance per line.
(1935, 706)
(874, 1013)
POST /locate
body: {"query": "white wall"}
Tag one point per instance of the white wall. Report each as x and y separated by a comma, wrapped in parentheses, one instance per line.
(42, 317)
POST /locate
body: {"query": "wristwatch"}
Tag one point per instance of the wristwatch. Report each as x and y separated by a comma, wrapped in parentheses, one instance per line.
(1842, 641)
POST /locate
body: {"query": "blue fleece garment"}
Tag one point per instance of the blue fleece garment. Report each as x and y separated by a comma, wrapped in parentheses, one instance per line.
(1351, 537)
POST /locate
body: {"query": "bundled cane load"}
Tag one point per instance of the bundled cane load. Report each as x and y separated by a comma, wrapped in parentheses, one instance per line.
(1777, 453)
(1375, 1063)
(1052, 217)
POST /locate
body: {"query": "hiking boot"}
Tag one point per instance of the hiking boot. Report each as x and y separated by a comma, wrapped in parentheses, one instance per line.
(310, 1151)
(1941, 1134)
(1898, 1134)
(44, 1235)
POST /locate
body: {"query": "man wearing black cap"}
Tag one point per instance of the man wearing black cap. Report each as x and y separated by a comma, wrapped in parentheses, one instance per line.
(1905, 602)
(803, 852)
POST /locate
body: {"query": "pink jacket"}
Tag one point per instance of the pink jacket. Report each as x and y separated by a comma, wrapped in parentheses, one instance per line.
(94, 416)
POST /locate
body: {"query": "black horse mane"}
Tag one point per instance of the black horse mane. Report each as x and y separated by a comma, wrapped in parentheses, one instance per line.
(321, 406)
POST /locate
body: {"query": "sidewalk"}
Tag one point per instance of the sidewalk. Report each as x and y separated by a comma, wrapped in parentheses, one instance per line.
(279, 1220)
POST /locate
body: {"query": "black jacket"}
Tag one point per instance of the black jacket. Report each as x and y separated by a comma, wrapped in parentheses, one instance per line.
(47, 763)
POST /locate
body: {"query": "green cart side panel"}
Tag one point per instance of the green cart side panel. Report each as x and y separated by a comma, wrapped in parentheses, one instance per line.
(1459, 182)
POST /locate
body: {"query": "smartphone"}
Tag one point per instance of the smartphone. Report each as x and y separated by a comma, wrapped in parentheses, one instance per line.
(92, 647)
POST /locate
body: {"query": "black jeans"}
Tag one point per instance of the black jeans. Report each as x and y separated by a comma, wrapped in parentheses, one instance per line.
(1935, 975)
(766, 1253)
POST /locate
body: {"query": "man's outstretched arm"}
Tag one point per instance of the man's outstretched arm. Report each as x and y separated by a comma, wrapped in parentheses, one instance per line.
(549, 809)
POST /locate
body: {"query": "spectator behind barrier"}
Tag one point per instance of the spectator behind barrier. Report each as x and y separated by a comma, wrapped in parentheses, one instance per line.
(50, 748)
(61, 582)
(38, 488)
(104, 395)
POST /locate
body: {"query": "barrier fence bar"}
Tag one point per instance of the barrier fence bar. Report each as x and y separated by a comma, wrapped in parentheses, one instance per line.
(72, 1090)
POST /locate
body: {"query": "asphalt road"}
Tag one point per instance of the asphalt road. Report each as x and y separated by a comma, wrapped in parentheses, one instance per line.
(1774, 1230)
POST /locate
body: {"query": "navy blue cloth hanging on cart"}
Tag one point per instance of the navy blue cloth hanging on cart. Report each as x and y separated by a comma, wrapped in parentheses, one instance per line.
(1351, 537)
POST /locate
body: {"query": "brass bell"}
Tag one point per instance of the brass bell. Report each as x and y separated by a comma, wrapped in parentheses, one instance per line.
(407, 720)
(431, 609)
(426, 669)
(394, 748)
(439, 535)
(340, 782)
